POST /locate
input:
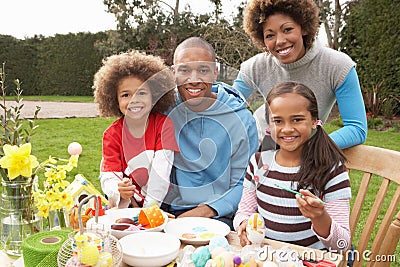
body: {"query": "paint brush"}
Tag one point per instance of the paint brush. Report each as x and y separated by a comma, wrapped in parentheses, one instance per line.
(297, 193)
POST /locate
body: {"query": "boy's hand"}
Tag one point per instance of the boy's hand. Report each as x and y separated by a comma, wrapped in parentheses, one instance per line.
(126, 189)
(241, 232)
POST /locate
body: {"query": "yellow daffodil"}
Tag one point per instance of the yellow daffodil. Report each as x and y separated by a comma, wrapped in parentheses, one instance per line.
(53, 197)
(73, 160)
(18, 160)
(43, 211)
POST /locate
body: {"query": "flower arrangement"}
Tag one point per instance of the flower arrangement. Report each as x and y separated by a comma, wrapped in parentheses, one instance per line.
(22, 201)
(17, 163)
(53, 195)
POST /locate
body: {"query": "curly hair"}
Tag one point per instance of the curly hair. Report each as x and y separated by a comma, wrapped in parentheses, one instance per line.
(150, 69)
(303, 12)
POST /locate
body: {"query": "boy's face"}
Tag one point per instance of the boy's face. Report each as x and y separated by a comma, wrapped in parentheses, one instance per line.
(195, 71)
(134, 99)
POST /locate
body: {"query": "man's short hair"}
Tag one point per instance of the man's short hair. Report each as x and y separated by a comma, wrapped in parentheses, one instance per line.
(195, 42)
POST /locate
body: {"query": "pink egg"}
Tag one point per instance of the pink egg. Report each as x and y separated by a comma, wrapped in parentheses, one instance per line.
(74, 148)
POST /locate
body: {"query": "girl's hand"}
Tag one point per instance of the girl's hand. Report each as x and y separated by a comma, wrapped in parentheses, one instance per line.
(241, 232)
(126, 189)
(310, 205)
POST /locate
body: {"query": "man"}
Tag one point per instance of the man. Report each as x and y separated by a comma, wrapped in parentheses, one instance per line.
(216, 136)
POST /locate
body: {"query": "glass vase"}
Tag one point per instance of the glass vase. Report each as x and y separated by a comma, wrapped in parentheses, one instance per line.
(58, 219)
(18, 216)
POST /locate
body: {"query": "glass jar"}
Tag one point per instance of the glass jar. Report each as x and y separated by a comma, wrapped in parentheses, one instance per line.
(18, 216)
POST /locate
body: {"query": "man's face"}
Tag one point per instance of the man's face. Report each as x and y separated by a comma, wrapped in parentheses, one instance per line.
(195, 71)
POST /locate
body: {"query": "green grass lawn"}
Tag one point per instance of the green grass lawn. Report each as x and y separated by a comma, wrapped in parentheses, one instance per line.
(55, 98)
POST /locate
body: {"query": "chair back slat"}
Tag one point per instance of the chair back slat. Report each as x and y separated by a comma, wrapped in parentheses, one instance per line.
(386, 221)
(373, 216)
(391, 240)
(375, 164)
(358, 203)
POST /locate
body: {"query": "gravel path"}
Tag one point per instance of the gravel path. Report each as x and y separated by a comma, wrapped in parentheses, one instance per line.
(50, 109)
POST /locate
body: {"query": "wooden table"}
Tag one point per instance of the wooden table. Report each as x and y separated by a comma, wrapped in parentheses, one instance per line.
(235, 245)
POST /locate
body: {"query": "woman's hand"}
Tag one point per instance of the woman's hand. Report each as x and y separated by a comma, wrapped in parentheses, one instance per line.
(241, 232)
(126, 188)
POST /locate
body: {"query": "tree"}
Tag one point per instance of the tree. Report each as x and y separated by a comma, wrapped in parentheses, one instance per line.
(331, 13)
(150, 26)
(371, 37)
(218, 9)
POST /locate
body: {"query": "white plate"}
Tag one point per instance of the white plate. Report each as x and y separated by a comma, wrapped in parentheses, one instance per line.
(196, 230)
(149, 249)
(112, 215)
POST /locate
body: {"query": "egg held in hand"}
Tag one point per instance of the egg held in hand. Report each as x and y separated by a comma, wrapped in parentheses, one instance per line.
(255, 228)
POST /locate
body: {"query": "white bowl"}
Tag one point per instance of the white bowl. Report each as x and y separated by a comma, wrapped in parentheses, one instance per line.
(112, 215)
(149, 249)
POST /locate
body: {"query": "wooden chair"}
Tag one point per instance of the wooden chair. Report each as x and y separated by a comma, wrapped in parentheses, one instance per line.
(373, 162)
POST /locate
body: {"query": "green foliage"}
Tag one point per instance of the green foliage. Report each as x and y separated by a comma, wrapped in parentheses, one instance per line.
(59, 65)
(21, 60)
(74, 57)
(337, 122)
(371, 37)
(12, 130)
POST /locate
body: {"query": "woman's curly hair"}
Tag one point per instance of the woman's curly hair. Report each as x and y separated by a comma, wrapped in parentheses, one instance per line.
(303, 12)
(150, 69)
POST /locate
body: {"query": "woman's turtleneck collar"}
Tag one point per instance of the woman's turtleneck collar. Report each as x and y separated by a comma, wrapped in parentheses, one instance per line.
(309, 55)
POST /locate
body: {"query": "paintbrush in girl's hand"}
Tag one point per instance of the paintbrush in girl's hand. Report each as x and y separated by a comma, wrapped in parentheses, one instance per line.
(297, 193)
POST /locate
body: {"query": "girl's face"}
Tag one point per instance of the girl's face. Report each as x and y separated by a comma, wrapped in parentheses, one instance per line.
(134, 101)
(290, 122)
(284, 38)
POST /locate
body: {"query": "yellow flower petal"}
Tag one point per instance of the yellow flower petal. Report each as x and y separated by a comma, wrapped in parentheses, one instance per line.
(18, 160)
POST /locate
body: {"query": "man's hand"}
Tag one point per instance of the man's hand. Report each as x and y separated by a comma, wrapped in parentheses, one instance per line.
(200, 211)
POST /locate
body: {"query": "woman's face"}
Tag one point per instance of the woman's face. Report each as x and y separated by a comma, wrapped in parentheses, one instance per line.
(283, 37)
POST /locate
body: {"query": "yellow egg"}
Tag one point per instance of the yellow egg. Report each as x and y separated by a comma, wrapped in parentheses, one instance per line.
(228, 258)
(81, 240)
(105, 260)
(252, 262)
(89, 254)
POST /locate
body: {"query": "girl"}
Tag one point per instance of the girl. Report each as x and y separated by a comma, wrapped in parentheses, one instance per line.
(138, 148)
(306, 160)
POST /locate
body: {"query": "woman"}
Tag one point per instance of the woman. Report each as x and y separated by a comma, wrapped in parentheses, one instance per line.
(286, 31)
